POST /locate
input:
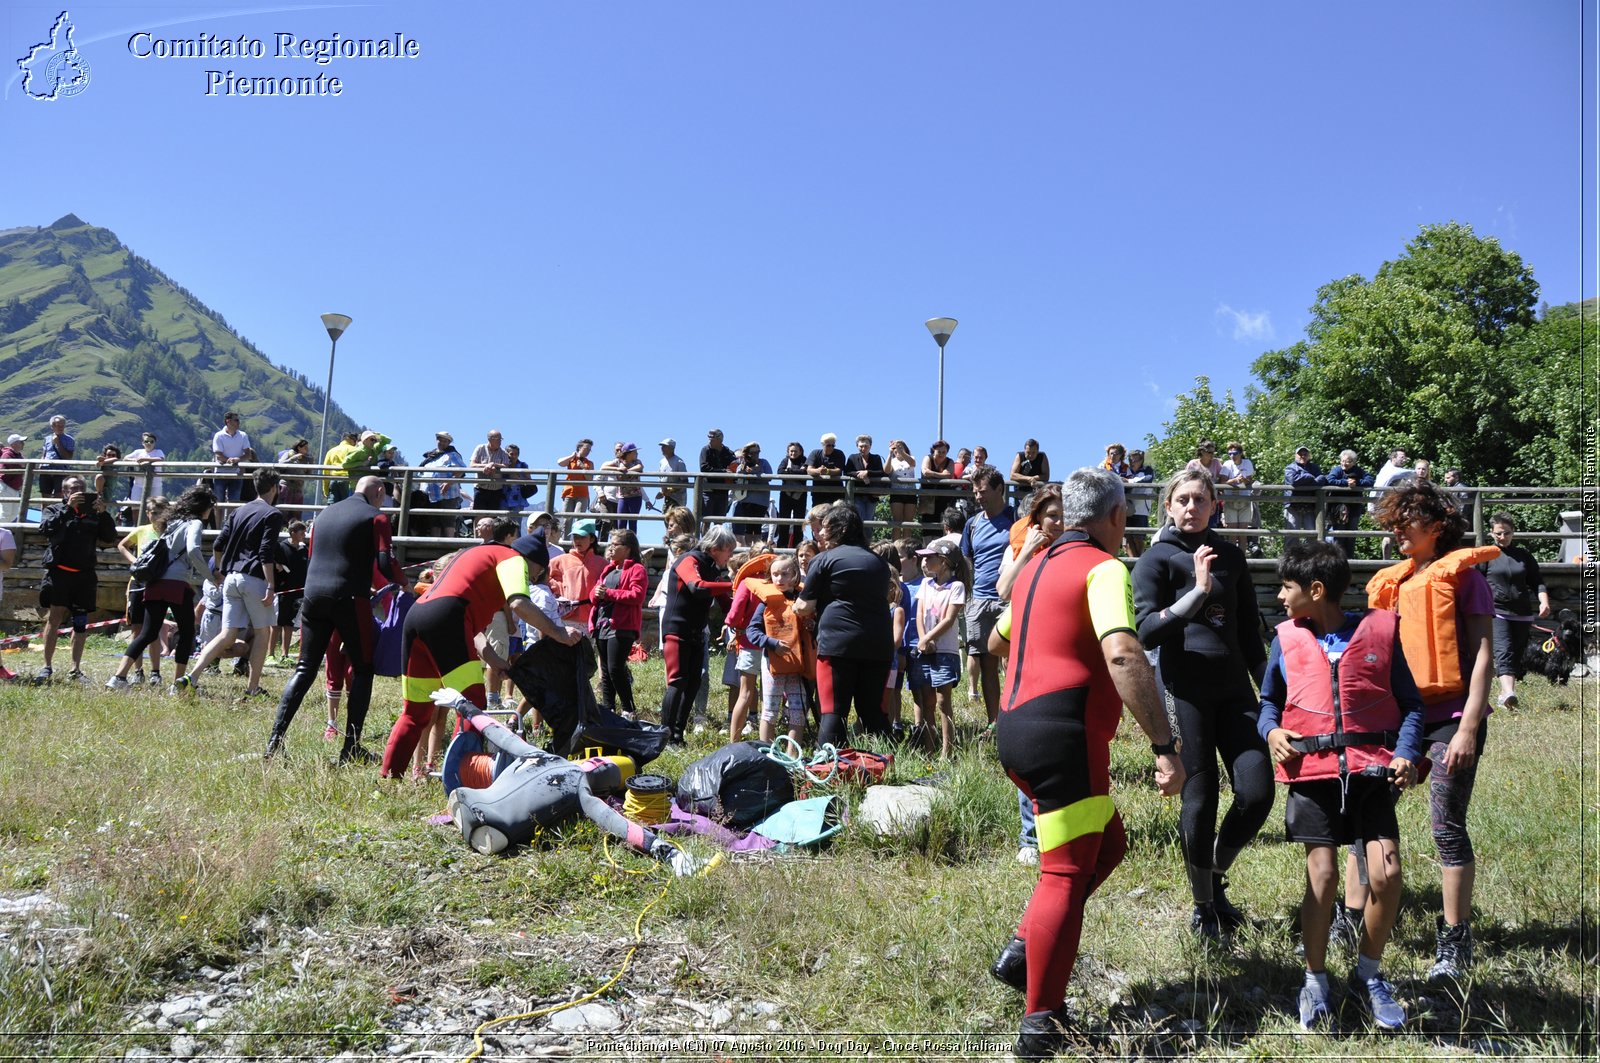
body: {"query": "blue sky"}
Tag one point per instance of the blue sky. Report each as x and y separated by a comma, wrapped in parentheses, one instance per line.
(629, 220)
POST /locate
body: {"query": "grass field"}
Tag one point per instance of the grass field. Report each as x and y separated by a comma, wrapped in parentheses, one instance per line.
(163, 893)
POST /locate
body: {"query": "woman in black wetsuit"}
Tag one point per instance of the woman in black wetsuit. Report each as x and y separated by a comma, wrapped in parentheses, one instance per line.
(1195, 603)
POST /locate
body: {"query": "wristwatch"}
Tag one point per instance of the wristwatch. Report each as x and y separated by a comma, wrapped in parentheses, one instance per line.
(1172, 746)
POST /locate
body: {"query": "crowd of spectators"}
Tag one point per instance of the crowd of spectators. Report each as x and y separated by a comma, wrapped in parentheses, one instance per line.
(758, 500)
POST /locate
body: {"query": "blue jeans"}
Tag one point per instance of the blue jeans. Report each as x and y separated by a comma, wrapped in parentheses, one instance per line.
(1029, 835)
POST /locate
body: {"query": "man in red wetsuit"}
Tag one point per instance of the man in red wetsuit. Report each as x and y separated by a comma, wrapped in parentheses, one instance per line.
(440, 628)
(1075, 661)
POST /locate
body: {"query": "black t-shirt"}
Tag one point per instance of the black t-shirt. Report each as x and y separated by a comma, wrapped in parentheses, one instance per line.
(74, 535)
(850, 585)
(249, 539)
(828, 488)
(1515, 579)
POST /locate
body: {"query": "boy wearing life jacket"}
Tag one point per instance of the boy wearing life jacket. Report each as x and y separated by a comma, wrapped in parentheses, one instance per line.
(1342, 716)
(788, 650)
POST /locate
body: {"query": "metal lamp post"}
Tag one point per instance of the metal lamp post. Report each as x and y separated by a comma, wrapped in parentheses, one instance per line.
(335, 324)
(941, 327)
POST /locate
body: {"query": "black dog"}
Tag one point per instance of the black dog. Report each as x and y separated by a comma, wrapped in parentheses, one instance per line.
(1554, 647)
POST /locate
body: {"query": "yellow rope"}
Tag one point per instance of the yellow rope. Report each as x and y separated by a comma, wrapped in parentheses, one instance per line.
(647, 808)
(638, 939)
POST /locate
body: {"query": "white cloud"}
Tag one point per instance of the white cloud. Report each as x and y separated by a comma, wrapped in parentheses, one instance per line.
(1246, 325)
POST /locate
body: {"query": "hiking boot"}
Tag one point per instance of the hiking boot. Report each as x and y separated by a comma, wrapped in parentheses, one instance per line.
(1043, 1034)
(241, 667)
(1376, 998)
(1205, 923)
(274, 747)
(1314, 1009)
(358, 755)
(44, 676)
(1228, 915)
(1011, 967)
(1454, 952)
(117, 682)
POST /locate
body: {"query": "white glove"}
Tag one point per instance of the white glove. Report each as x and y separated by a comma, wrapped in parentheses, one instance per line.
(447, 698)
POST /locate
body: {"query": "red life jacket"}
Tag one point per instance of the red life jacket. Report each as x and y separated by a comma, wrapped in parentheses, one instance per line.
(1345, 708)
(1427, 608)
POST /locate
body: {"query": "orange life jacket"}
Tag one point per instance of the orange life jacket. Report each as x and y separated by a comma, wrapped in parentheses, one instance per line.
(780, 622)
(1346, 706)
(1427, 608)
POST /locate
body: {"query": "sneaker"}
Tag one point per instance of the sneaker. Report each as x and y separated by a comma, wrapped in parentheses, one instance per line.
(155, 679)
(1508, 702)
(1028, 854)
(116, 682)
(1205, 923)
(1454, 952)
(251, 697)
(138, 676)
(1345, 930)
(488, 840)
(241, 667)
(1314, 1010)
(77, 675)
(44, 676)
(1011, 967)
(358, 755)
(184, 684)
(1376, 997)
(1228, 914)
(331, 734)
(1043, 1034)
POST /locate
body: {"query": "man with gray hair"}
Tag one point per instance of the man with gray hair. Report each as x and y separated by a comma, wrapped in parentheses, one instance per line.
(1075, 660)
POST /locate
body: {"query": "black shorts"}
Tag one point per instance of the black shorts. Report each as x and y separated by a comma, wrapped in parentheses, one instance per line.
(288, 609)
(1312, 812)
(74, 591)
(899, 498)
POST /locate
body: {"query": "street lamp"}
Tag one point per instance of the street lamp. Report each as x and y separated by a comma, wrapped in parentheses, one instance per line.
(335, 324)
(941, 327)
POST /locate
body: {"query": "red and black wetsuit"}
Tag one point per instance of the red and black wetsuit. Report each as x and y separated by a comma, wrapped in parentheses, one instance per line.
(1053, 736)
(692, 583)
(438, 634)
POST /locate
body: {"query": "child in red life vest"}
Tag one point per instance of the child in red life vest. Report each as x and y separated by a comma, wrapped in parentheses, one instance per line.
(1342, 717)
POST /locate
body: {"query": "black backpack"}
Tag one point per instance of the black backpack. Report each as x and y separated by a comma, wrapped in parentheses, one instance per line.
(152, 562)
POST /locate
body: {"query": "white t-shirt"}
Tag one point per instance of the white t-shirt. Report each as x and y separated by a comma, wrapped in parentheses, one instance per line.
(232, 446)
(542, 598)
(138, 475)
(932, 599)
(1230, 469)
(904, 473)
(7, 542)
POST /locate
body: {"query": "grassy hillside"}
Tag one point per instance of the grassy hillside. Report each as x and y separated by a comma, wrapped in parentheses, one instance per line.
(90, 330)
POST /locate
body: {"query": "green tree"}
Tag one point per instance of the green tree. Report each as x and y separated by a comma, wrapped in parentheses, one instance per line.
(1200, 415)
(1421, 356)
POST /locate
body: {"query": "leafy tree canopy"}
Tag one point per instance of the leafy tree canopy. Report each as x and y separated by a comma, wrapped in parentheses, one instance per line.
(1440, 353)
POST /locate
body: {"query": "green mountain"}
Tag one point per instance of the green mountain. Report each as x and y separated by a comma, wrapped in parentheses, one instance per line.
(91, 331)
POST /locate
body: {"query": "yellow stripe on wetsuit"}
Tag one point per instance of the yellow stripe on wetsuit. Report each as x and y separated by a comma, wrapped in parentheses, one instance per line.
(462, 676)
(1064, 825)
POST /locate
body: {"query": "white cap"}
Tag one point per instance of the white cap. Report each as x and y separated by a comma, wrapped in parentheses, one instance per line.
(668, 442)
(16, 439)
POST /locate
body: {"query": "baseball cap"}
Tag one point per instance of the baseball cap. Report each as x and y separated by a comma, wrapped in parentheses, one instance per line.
(584, 527)
(943, 548)
(14, 438)
(668, 442)
(1302, 448)
(446, 436)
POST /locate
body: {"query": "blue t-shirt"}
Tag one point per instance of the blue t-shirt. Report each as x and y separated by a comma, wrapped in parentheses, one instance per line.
(983, 542)
(908, 602)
